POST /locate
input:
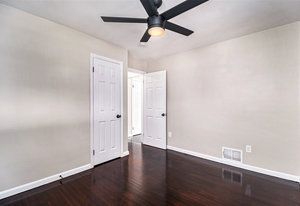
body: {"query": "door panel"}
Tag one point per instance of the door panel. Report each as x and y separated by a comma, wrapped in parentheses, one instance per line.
(154, 107)
(107, 105)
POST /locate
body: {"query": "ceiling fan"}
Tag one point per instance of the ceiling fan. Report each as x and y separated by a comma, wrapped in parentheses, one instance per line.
(157, 23)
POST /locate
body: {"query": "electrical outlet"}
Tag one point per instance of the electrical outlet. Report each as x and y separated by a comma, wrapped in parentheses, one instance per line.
(248, 148)
(169, 134)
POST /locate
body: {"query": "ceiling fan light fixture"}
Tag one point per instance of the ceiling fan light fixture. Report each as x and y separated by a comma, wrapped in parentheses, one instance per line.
(157, 23)
(156, 31)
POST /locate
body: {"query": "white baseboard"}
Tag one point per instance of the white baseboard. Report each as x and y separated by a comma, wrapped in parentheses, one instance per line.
(125, 153)
(239, 165)
(38, 183)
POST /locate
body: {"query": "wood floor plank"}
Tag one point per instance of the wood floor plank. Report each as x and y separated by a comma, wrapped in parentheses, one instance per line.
(151, 176)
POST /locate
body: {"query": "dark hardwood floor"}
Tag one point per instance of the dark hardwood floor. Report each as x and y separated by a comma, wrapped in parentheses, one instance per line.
(151, 176)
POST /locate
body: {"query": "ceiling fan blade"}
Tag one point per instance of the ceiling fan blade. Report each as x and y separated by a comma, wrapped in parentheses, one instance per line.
(149, 7)
(146, 37)
(178, 29)
(181, 8)
(123, 19)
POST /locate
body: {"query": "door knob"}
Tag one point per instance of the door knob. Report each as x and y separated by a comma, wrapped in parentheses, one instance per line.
(119, 116)
(163, 114)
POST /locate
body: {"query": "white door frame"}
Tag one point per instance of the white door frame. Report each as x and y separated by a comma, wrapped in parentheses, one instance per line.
(93, 56)
(135, 71)
(142, 73)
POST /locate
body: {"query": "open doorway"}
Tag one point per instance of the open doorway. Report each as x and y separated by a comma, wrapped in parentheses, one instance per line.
(135, 105)
(147, 108)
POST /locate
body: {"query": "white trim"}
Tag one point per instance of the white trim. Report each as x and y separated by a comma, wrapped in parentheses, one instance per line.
(238, 164)
(124, 154)
(143, 73)
(92, 103)
(92, 109)
(122, 105)
(38, 183)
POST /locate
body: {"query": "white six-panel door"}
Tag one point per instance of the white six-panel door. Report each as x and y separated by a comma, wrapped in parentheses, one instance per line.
(107, 108)
(155, 109)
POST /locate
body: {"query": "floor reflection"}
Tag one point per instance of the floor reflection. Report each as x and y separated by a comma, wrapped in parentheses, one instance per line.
(151, 176)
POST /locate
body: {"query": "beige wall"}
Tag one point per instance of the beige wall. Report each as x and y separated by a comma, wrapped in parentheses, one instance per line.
(45, 96)
(238, 92)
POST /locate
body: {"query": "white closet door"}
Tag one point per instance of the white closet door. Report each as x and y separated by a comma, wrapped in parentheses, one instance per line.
(155, 109)
(107, 110)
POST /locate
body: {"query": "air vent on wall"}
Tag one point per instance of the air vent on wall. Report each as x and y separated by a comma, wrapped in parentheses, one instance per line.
(232, 154)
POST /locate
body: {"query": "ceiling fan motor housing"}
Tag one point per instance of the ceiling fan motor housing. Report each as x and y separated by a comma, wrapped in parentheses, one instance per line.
(157, 3)
(156, 21)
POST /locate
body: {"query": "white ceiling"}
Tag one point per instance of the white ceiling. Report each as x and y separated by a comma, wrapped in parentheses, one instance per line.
(213, 21)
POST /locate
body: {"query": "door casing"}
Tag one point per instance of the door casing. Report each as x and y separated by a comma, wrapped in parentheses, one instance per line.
(142, 113)
(93, 56)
